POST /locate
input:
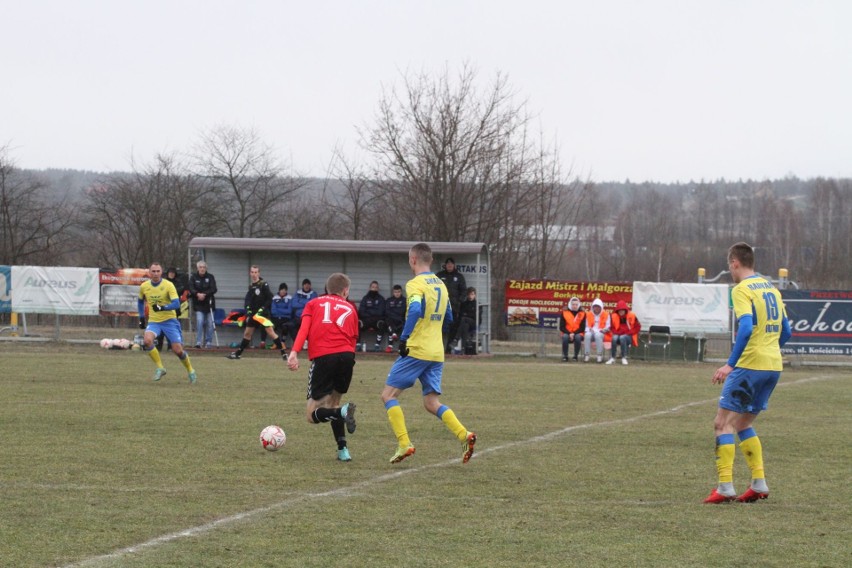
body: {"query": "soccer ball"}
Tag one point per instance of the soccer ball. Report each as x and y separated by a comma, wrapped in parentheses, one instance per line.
(272, 438)
(106, 343)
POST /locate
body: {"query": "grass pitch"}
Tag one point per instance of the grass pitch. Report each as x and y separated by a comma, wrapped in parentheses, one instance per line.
(576, 465)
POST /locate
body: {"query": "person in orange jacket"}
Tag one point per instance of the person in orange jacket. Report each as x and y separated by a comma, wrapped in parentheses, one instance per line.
(624, 326)
(572, 324)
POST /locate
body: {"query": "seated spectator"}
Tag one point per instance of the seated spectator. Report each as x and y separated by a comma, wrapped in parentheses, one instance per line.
(371, 312)
(572, 324)
(282, 312)
(597, 327)
(300, 300)
(467, 326)
(395, 315)
(625, 328)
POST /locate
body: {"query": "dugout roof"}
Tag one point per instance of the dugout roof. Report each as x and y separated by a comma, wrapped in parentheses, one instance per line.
(292, 260)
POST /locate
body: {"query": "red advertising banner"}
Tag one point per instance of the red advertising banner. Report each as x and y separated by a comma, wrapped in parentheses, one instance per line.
(120, 290)
(539, 303)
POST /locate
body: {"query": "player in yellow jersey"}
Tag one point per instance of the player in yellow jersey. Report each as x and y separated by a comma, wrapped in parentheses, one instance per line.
(421, 354)
(162, 301)
(749, 376)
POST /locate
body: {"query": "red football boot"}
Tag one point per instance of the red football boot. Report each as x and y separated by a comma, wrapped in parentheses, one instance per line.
(750, 496)
(716, 497)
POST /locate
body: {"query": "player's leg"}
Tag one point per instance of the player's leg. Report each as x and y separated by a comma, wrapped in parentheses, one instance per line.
(431, 381)
(723, 426)
(148, 345)
(402, 375)
(566, 341)
(174, 335)
(764, 383)
(587, 345)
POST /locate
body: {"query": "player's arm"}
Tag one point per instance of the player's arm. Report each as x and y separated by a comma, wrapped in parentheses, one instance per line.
(448, 319)
(786, 331)
(415, 312)
(173, 305)
(745, 326)
(304, 329)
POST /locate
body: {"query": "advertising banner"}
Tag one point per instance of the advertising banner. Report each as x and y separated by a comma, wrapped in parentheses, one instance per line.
(120, 290)
(539, 303)
(55, 290)
(821, 321)
(685, 308)
(5, 289)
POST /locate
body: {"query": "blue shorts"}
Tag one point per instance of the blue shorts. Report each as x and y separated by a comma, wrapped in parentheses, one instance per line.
(406, 370)
(170, 328)
(747, 390)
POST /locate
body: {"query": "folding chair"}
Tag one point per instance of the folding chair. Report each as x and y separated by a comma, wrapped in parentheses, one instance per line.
(658, 337)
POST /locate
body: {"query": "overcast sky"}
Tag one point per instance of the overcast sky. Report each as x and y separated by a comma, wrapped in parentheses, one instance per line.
(653, 90)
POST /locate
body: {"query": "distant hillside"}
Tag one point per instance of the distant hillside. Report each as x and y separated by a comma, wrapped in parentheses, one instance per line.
(73, 182)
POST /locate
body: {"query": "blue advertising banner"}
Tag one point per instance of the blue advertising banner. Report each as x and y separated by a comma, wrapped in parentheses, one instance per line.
(821, 322)
(5, 289)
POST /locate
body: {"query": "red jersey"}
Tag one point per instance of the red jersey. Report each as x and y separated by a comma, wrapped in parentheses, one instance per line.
(330, 325)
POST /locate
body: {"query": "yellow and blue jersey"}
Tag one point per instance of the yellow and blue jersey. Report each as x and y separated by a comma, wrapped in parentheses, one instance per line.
(161, 293)
(757, 297)
(426, 340)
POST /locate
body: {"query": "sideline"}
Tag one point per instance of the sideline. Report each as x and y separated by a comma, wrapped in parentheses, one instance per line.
(357, 487)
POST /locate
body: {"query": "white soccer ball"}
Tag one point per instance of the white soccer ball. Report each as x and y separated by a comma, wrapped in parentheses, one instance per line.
(272, 438)
(106, 343)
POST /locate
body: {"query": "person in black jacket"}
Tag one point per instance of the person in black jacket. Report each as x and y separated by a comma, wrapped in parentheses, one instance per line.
(457, 291)
(258, 306)
(202, 288)
(467, 325)
(395, 314)
(372, 314)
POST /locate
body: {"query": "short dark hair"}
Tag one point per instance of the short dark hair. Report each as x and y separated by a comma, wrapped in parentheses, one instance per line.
(471, 289)
(306, 281)
(282, 286)
(397, 287)
(742, 252)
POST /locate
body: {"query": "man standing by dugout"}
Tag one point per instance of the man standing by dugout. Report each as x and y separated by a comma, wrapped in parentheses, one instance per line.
(202, 287)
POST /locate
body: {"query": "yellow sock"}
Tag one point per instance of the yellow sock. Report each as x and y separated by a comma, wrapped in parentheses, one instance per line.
(753, 452)
(725, 457)
(186, 364)
(397, 421)
(451, 422)
(154, 354)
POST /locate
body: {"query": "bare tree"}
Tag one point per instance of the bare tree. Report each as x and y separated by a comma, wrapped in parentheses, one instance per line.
(441, 147)
(150, 214)
(352, 199)
(249, 181)
(32, 224)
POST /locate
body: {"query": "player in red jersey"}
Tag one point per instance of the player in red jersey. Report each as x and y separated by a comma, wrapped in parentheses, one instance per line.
(330, 325)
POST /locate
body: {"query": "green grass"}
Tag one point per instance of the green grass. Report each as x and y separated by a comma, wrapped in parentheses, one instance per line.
(576, 465)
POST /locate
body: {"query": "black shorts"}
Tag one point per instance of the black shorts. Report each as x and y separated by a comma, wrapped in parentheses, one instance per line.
(330, 373)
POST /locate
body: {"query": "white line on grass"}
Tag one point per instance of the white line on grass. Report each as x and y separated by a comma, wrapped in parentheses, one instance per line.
(343, 491)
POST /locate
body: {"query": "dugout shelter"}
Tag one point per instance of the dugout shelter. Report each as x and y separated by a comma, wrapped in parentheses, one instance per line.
(292, 260)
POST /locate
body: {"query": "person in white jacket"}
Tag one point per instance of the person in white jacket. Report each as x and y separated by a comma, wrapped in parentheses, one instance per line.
(597, 326)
